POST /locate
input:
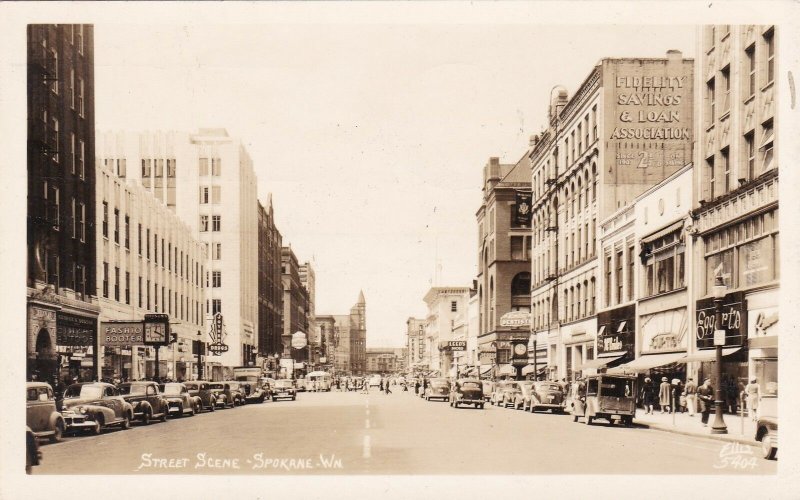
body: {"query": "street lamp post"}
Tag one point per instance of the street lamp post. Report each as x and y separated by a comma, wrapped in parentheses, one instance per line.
(719, 426)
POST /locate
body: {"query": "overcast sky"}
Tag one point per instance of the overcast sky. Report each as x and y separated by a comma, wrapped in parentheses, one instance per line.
(371, 138)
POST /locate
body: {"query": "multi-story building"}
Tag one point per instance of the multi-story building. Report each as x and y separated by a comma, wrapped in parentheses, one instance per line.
(415, 342)
(62, 309)
(207, 178)
(295, 306)
(326, 325)
(504, 257)
(148, 261)
(308, 280)
(346, 339)
(446, 306)
(270, 286)
(627, 128)
(384, 360)
(736, 199)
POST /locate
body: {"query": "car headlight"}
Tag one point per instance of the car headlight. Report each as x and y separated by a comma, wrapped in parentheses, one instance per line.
(82, 410)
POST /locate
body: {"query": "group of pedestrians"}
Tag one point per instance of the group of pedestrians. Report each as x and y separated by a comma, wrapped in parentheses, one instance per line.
(677, 397)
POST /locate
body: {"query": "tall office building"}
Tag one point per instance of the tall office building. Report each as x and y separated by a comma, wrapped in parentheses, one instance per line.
(62, 307)
(270, 286)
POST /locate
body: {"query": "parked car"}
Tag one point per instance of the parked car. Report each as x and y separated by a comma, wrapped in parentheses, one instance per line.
(179, 400)
(33, 456)
(488, 389)
(547, 396)
(41, 415)
(253, 393)
(467, 391)
(611, 397)
(95, 406)
(146, 400)
(502, 394)
(237, 391)
(284, 389)
(521, 400)
(438, 388)
(767, 423)
(300, 385)
(222, 393)
(202, 390)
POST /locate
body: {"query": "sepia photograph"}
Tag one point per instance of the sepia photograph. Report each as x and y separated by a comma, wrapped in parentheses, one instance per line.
(421, 250)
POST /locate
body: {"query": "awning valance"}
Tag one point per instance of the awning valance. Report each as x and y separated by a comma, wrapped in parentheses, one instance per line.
(648, 361)
(506, 370)
(528, 369)
(599, 362)
(658, 234)
(709, 354)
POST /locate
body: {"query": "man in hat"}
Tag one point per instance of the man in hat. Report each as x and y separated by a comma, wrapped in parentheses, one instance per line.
(705, 394)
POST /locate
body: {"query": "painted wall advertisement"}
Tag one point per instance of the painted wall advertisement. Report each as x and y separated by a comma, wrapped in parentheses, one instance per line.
(649, 124)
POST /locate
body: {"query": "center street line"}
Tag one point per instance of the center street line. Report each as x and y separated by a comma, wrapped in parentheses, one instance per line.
(367, 449)
(366, 424)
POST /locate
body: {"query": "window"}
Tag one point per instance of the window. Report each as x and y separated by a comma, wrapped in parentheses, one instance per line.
(169, 256)
(122, 168)
(608, 280)
(453, 306)
(216, 194)
(216, 167)
(528, 247)
(127, 232)
(710, 175)
(148, 248)
(217, 251)
(766, 145)
(105, 279)
(594, 293)
(162, 253)
(72, 88)
(145, 168)
(80, 97)
(54, 71)
(140, 291)
(710, 96)
(726, 88)
(79, 37)
(171, 167)
(594, 127)
(82, 222)
(203, 223)
(148, 294)
(618, 277)
(631, 271)
(769, 41)
(726, 169)
(116, 225)
(664, 261)
(750, 56)
(56, 142)
(580, 138)
(105, 219)
(517, 248)
(586, 129)
(203, 166)
(216, 279)
(116, 283)
(216, 306)
(155, 248)
(216, 223)
(81, 159)
(750, 149)
(203, 195)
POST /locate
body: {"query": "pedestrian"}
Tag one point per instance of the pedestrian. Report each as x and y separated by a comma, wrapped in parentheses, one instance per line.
(388, 391)
(648, 394)
(731, 397)
(691, 396)
(705, 396)
(416, 386)
(664, 395)
(752, 391)
(381, 384)
(677, 390)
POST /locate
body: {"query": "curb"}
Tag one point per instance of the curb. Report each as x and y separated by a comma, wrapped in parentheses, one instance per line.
(716, 437)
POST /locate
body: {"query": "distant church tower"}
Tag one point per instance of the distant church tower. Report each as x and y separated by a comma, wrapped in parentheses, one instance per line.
(358, 336)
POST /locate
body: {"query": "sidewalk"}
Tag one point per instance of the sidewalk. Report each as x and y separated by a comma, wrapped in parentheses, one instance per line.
(691, 426)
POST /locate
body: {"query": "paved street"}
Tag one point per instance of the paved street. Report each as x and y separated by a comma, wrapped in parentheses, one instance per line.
(351, 433)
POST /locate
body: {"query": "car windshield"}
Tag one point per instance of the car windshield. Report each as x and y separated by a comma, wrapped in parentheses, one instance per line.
(547, 387)
(470, 385)
(192, 387)
(172, 389)
(216, 386)
(84, 392)
(526, 386)
(438, 382)
(133, 389)
(283, 384)
(615, 387)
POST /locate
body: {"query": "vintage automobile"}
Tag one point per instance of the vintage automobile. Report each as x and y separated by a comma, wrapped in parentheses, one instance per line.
(284, 389)
(41, 415)
(202, 390)
(488, 389)
(146, 400)
(438, 388)
(300, 384)
(95, 406)
(767, 422)
(252, 392)
(467, 391)
(179, 400)
(522, 399)
(222, 392)
(611, 397)
(237, 392)
(546, 396)
(33, 456)
(504, 392)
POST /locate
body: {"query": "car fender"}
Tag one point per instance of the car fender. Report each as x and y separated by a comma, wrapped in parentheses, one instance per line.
(107, 414)
(144, 406)
(56, 417)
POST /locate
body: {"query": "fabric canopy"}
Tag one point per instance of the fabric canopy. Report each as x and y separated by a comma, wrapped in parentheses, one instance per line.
(506, 370)
(709, 354)
(486, 369)
(599, 362)
(648, 361)
(530, 368)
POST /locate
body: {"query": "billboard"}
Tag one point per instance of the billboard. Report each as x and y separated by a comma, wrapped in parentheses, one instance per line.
(648, 124)
(121, 333)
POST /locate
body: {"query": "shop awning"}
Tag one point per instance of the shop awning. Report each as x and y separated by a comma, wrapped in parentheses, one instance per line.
(648, 361)
(599, 362)
(506, 370)
(709, 354)
(665, 231)
(528, 369)
(486, 369)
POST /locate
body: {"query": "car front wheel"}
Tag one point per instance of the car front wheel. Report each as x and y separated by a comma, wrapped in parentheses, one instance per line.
(98, 427)
(126, 422)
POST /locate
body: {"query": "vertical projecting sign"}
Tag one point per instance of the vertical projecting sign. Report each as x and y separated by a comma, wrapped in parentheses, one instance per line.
(217, 347)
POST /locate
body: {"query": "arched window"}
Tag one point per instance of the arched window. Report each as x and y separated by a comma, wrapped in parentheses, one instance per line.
(580, 193)
(586, 184)
(521, 284)
(578, 300)
(586, 298)
(594, 181)
(594, 293)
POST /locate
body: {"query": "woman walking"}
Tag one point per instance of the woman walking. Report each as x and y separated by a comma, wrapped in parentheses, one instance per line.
(648, 394)
(752, 393)
(664, 395)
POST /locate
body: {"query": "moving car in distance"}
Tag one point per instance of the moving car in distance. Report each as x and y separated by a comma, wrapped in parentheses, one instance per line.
(547, 396)
(504, 392)
(222, 393)
(146, 400)
(253, 393)
(95, 406)
(284, 389)
(522, 399)
(202, 390)
(467, 391)
(237, 391)
(438, 388)
(41, 416)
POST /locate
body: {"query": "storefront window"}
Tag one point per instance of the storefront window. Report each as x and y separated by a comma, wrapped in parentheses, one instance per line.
(755, 262)
(767, 376)
(664, 267)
